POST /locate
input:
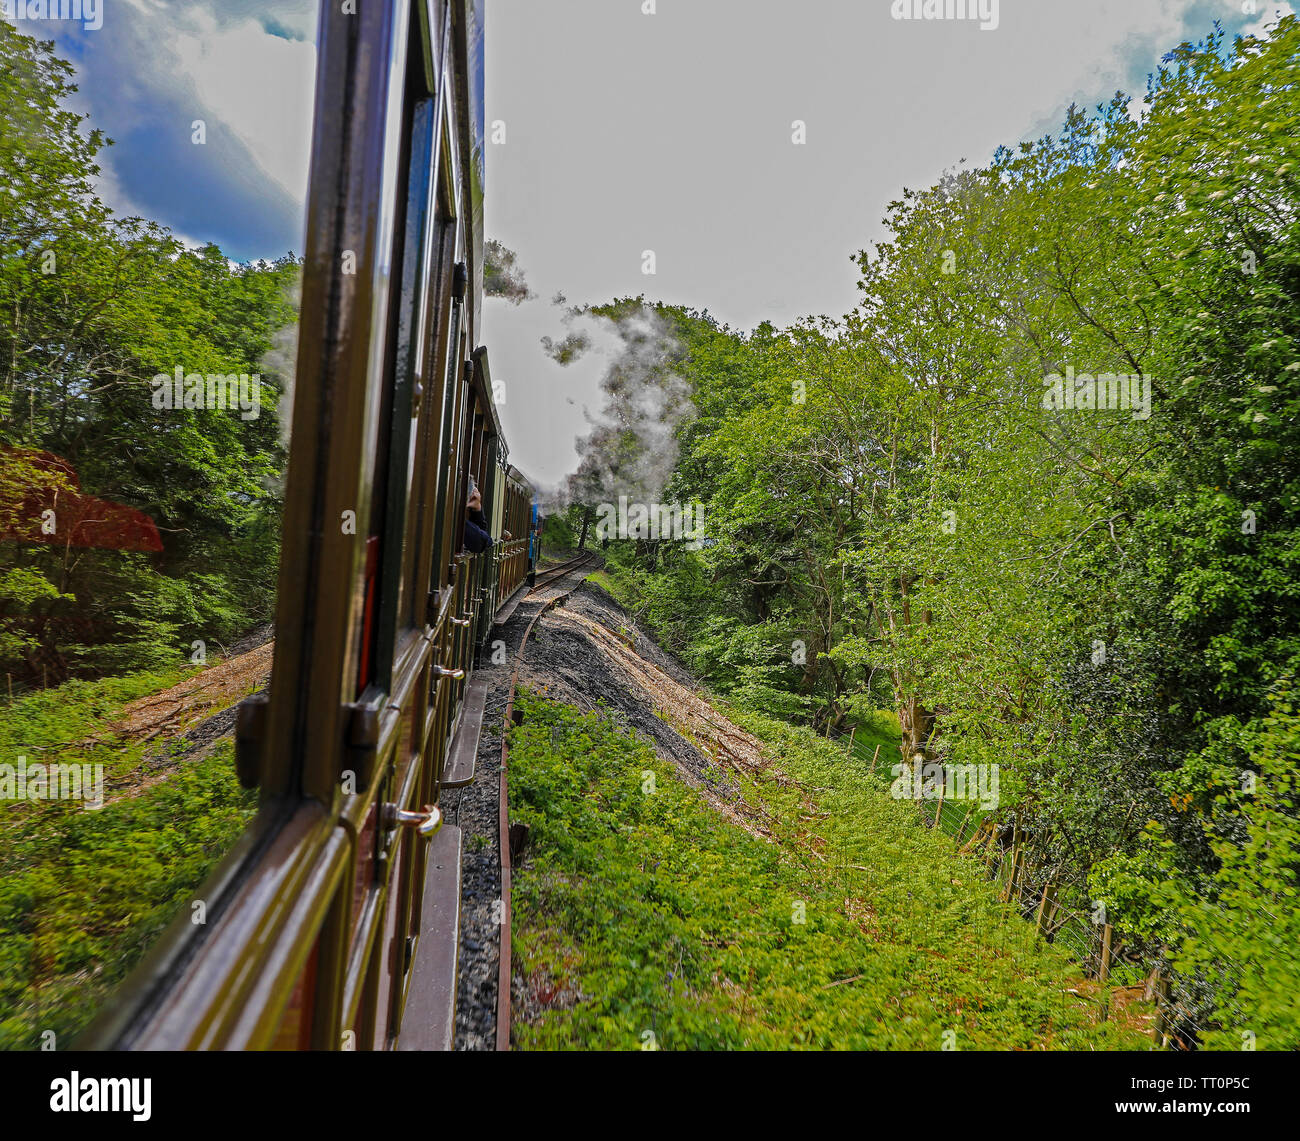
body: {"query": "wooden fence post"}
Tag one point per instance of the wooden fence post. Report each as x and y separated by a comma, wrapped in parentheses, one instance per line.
(962, 830)
(1162, 1005)
(1040, 926)
(1104, 973)
(1015, 856)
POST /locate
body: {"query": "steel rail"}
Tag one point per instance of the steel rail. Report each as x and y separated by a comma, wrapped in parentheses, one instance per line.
(551, 574)
(504, 973)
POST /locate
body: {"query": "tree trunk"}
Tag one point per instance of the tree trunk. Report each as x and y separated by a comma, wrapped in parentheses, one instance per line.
(916, 723)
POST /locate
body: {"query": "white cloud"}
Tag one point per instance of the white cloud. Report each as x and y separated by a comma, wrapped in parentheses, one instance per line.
(673, 134)
(1269, 14)
(256, 85)
(157, 65)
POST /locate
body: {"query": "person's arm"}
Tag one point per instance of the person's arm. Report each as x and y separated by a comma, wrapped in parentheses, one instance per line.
(477, 539)
(477, 536)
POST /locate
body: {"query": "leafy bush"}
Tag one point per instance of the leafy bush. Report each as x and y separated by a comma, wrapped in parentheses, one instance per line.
(82, 896)
(84, 893)
(644, 916)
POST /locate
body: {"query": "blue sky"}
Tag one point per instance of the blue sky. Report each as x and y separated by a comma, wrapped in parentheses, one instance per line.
(154, 68)
(625, 132)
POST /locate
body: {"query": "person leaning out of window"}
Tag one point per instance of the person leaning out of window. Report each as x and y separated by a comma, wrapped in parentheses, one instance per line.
(477, 536)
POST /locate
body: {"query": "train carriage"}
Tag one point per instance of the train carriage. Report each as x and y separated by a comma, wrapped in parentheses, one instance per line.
(333, 922)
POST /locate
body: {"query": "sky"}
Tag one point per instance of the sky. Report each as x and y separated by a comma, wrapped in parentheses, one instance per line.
(625, 132)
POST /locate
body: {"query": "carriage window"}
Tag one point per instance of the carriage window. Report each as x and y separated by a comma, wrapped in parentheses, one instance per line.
(397, 496)
(144, 426)
(422, 471)
(448, 499)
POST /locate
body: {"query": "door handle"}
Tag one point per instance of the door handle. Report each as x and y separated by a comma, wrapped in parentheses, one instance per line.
(426, 822)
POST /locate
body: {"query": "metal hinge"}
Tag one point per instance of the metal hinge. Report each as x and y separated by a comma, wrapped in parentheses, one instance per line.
(361, 743)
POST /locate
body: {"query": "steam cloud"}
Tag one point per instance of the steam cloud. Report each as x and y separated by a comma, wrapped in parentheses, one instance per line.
(632, 446)
(502, 275)
(281, 362)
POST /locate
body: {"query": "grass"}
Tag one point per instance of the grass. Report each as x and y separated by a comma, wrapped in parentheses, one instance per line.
(84, 893)
(602, 580)
(645, 919)
(49, 725)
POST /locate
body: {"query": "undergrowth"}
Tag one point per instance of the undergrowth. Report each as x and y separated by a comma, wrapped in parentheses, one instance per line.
(84, 893)
(50, 725)
(645, 919)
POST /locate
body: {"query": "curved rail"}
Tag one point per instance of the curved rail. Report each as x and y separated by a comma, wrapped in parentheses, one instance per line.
(552, 574)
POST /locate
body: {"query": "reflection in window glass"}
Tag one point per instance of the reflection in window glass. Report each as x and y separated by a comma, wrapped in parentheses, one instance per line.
(144, 395)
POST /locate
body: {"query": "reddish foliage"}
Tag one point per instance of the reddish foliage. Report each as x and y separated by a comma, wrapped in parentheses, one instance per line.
(37, 482)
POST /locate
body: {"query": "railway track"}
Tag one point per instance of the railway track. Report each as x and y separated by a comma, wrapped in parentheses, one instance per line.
(550, 589)
(558, 576)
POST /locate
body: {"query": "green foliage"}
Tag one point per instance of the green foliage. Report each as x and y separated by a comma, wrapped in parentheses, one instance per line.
(645, 912)
(21, 591)
(97, 306)
(502, 276)
(561, 529)
(54, 719)
(1246, 930)
(83, 893)
(1098, 602)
